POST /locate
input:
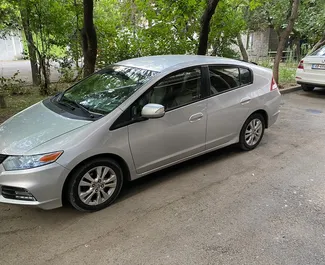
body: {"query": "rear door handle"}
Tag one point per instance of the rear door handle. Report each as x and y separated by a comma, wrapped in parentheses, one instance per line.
(245, 101)
(196, 117)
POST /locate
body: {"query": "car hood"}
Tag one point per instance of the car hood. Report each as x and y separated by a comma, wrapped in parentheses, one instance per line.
(33, 127)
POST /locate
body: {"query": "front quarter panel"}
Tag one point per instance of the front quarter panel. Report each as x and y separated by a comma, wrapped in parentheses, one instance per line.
(92, 140)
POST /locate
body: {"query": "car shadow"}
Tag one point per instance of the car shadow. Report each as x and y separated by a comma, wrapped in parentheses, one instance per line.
(318, 92)
(180, 170)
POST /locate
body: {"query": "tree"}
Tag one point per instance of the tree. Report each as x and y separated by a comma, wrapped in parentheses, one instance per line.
(283, 37)
(227, 25)
(8, 18)
(242, 47)
(205, 26)
(11, 22)
(24, 16)
(3, 104)
(320, 43)
(89, 38)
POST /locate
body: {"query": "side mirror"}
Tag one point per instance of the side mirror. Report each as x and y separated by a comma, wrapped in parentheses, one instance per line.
(153, 111)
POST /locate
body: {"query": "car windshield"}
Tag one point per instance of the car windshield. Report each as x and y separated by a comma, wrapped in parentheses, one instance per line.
(319, 52)
(105, 90)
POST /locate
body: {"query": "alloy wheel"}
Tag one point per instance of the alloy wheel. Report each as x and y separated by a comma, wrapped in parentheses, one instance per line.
(97, 185)
(253, 132)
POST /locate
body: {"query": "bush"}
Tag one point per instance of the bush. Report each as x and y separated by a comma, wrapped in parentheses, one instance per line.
(12, 85)
(67, 70)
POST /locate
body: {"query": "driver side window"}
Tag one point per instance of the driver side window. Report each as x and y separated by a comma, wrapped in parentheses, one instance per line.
(175, 90)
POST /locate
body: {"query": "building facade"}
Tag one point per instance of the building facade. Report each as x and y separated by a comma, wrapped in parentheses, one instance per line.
(11, 48)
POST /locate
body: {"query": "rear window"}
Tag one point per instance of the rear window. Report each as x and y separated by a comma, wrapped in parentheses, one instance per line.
(319, 52)
(245, 76)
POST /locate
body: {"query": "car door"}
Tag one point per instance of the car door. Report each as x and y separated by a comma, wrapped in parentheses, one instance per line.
(229, 105)
(181, 133)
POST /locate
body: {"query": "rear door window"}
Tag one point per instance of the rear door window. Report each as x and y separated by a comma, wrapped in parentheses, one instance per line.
(224, 78)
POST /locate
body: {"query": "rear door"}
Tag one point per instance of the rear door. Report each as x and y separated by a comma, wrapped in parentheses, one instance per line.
(232, 96)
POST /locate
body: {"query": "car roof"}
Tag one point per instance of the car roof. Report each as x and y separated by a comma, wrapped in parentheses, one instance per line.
(159, 63)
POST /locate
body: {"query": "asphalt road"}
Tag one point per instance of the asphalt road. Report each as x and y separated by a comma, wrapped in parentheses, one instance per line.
(9, 68)
(266, 206)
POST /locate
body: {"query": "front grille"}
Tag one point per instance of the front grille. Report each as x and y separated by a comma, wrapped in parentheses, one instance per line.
(2, 158)
(16, 193)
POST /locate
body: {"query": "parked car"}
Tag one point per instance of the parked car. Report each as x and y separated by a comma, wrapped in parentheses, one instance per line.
(128, 120)
(311, 70)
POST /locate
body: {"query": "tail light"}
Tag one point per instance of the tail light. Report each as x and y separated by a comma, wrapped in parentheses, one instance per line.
(274, 85)
(301, 65)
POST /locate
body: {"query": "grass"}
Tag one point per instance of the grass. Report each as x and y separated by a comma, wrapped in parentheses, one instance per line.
(17, 103)
(287, 76)
(287, 71)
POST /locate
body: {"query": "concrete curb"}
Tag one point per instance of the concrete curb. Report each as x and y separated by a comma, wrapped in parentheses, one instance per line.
(290, 89)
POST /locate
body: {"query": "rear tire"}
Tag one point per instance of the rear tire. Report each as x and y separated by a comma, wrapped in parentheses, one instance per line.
(95, 185)
(307, 88)
(252, 132)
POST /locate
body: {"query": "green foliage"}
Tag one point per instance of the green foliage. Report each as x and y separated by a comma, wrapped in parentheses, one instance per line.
(12, 85)
(287, 70)
(133, 28)
(50, 22)
(67, 73)
(227, 23)
(287, 75)
(146, 27)
(310, 24)
(311, 20)
(9, 18)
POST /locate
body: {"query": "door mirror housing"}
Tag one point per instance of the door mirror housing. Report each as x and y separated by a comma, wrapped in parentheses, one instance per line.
(153, 111)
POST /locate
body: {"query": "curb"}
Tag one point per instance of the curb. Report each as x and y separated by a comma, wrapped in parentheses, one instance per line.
(290, 89)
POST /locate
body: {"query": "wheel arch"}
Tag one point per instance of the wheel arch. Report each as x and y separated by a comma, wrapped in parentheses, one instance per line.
(118, 159)
(264, 114)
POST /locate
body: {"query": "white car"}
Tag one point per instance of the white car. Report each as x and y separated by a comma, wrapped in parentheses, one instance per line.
(311, 70)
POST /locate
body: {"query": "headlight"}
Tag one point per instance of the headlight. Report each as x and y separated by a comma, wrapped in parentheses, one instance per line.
(26, 162)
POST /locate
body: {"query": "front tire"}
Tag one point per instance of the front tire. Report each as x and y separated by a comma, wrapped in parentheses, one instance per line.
(95, 185)
(252, 132)
(307, 88)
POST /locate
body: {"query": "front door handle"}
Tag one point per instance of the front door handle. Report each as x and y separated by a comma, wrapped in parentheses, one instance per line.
(245, 100)
(196, 117)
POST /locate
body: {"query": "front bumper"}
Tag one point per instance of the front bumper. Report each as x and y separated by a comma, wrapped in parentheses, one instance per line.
(44, 183)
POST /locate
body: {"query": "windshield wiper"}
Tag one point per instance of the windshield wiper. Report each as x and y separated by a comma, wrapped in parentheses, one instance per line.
(84, 109)
(73, 103)
(65, 104)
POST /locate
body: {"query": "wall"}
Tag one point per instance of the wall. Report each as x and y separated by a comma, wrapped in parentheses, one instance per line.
(259, 45)
(11, 48)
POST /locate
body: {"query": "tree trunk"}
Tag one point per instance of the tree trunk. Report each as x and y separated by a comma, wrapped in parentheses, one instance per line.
(205, 26)
(242, 48)
(298, 48)
(320, 43)
(45, 70)
(3, 104)
(284, 38)
(89, 38)
(30, 45)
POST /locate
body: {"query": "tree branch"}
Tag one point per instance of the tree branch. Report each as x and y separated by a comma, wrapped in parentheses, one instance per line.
(205, 26)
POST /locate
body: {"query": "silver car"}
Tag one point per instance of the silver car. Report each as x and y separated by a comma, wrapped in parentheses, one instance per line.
(129, 120)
